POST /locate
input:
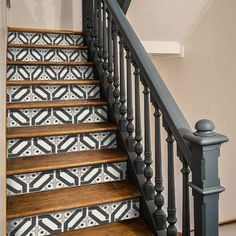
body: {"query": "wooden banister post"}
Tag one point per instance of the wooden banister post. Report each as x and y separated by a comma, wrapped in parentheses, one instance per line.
(205, 148)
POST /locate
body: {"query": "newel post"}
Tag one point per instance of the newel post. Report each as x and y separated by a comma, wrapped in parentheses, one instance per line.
(205, 148)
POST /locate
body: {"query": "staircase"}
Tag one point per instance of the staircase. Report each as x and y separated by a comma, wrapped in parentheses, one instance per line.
(65, 172)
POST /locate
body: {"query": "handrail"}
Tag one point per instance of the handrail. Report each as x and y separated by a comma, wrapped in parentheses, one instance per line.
(159, 91)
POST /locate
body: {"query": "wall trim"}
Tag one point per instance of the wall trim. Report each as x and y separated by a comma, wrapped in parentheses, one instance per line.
(164, 47)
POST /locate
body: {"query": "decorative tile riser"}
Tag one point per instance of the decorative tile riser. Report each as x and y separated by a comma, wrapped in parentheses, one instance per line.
(54, 116)
(60, 144)
(44, 38)
(52, 93)
(66, 178)
(73, 219)
(25, 72)
(55, 55)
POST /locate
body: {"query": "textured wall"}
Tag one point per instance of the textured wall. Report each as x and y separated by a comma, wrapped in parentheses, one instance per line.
(2, 111)
(204, 83)
(58, 14)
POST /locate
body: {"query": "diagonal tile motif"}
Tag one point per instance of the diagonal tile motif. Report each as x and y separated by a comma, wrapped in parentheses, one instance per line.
(73, 219)
(57, 179)
(52, 93)
(22, 72)
(55, 116)
(44, 38)
(46, 55)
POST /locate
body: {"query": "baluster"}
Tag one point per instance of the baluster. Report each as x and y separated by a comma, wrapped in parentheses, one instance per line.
(95, 35)
(171, 218)
(110, 59)
(90, 25)
(116, 92)
(138, 162)
(100, 37)
(159, 214)
(130, 116)
(123, 109)
(186, 211)
(105, 46)
(148, 172)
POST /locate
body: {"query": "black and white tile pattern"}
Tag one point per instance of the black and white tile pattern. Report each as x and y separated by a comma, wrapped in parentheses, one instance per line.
(57, 179)
(52, 93)
(46, 55)
(25, 72)
(60, 144)
(55, 116)
(44, 38)
(73, 219)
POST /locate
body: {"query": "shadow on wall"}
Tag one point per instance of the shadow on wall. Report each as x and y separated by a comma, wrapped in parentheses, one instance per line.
(58, 14)
(66, 19)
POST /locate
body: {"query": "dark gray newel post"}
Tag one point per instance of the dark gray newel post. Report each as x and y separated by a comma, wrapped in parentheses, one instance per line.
(205, 149)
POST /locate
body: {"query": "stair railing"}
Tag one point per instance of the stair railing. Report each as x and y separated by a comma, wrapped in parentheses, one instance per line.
(123, 65)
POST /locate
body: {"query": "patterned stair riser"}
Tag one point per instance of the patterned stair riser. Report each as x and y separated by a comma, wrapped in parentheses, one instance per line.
(52, 93)
(60, 144)
(73, 219)
(25, 72)
(44, 38)
(57, 179)
(55, 55)
(55, 116)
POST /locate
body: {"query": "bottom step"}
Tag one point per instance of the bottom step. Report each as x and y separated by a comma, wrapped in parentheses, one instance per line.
(133, 227)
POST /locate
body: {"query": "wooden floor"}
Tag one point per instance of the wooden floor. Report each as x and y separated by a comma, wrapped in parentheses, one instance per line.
(16, 166)
(57, 104)
(52, 130)
(69, 198)
(134, 227)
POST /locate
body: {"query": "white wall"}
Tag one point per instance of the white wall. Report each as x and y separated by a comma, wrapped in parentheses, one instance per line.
(51, 14)
(204, 86)
(3, 29)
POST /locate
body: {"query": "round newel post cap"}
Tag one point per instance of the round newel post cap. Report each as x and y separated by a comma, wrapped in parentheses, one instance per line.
(205, 128)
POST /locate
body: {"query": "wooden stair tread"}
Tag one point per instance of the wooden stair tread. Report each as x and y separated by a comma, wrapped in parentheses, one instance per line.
(55, 104)
(25, 165)
(50, 63)
(39, 30)
(48, 46)
(69, 198)
(52, 82)
(133, 227)
(57, 130)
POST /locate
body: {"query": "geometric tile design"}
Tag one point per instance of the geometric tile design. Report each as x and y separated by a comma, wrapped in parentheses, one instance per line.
(44, 38)
(53, 55)
(57, 179)
(73, 219)
(52, 93)
(25, 72)
(54, 116)
(60, 144)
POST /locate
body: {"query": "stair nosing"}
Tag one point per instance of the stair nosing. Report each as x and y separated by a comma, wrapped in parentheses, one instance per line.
(54, 195)
(40, 30)
(52, 82)
(46, 46)
(55, 104)
(50, 63)
(56, 130)
(53, 161)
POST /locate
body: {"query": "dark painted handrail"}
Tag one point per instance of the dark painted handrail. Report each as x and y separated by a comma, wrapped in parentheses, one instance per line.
(174, 117)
